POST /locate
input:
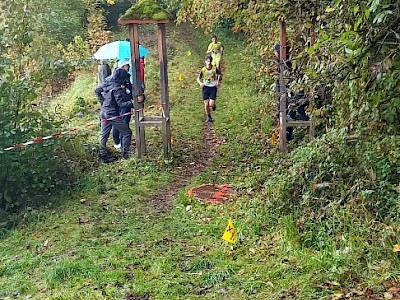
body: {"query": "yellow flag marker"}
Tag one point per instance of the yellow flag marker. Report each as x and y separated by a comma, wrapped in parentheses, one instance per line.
(189, 53)
(396, 248)
(274, 139)
(230, 233)
(180, 77)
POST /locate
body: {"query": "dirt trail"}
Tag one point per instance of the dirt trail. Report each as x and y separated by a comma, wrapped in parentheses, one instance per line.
(195, 160)
(189, 168)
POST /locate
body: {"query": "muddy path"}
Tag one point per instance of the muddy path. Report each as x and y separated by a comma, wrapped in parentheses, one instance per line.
(187, 168)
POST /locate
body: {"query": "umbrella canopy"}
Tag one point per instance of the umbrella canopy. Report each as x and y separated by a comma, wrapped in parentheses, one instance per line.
(118, 50)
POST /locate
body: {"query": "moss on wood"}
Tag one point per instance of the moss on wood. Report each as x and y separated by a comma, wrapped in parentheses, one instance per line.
(145, 10)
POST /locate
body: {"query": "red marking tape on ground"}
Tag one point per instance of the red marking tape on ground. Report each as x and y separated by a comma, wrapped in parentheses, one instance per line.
(60, 134)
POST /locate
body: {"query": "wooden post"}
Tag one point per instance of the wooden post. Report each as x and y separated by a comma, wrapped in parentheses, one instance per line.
(162, 54)
(137, 89)
(282, 86)
(311, 132)
(140, 120)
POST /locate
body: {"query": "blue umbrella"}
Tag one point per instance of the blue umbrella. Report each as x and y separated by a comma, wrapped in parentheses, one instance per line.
(118, 50)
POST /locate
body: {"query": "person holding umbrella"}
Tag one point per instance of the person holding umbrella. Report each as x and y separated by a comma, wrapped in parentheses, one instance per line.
(119, 51)
(113, 96)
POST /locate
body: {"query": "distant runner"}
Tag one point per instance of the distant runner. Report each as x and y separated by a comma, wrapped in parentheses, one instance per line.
(216, 50)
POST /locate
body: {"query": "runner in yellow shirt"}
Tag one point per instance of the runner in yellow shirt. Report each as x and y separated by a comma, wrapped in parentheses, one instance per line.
(216, 49)
(208, 79)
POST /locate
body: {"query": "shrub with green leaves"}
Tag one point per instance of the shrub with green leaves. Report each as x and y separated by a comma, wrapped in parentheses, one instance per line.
(31, 61)
(28, 171)
(326, 180)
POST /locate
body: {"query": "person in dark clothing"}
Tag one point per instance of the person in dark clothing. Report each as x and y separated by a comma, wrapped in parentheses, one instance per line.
(112, 96)
(103, 71)
(116, 135)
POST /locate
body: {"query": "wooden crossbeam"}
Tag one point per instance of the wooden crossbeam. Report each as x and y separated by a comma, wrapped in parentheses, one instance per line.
(151, 121)
(299, 123)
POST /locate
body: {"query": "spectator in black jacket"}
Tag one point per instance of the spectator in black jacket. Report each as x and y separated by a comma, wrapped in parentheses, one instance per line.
(113, 96)
(123, 110)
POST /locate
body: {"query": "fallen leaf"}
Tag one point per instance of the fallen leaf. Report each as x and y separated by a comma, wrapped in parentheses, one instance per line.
(269, 283)
(319, 186)
(206, 220)
(337, 296)
(388, 295)
(394, 290)
(241, 272)
(43, 289)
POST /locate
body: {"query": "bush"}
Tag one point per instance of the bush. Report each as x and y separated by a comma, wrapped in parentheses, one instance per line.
(327, 181)
(23, 172)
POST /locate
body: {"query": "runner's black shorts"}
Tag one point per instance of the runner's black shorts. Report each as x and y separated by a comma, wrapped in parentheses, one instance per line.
(209, 92)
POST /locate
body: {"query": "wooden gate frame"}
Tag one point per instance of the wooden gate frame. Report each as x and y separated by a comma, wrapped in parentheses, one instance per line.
(283, 122)
(140, 120)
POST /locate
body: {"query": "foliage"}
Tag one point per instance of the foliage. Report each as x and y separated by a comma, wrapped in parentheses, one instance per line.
(76, 52)
(61, 20)
(121, 246)
(145, 10)
(34, 65)
(98, 35)
(114, 11)
(345, 56)
(338, 174)
(356, 43)
(21, 172)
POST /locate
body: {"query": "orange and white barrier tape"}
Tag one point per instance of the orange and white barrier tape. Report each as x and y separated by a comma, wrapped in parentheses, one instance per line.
(62, 133)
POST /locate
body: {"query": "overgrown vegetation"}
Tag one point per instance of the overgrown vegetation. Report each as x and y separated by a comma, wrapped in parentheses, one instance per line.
(36, 64)
(345, 56)
(145, 10)
(319, 222)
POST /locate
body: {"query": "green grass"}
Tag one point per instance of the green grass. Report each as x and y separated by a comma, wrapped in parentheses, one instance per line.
(106, 240)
